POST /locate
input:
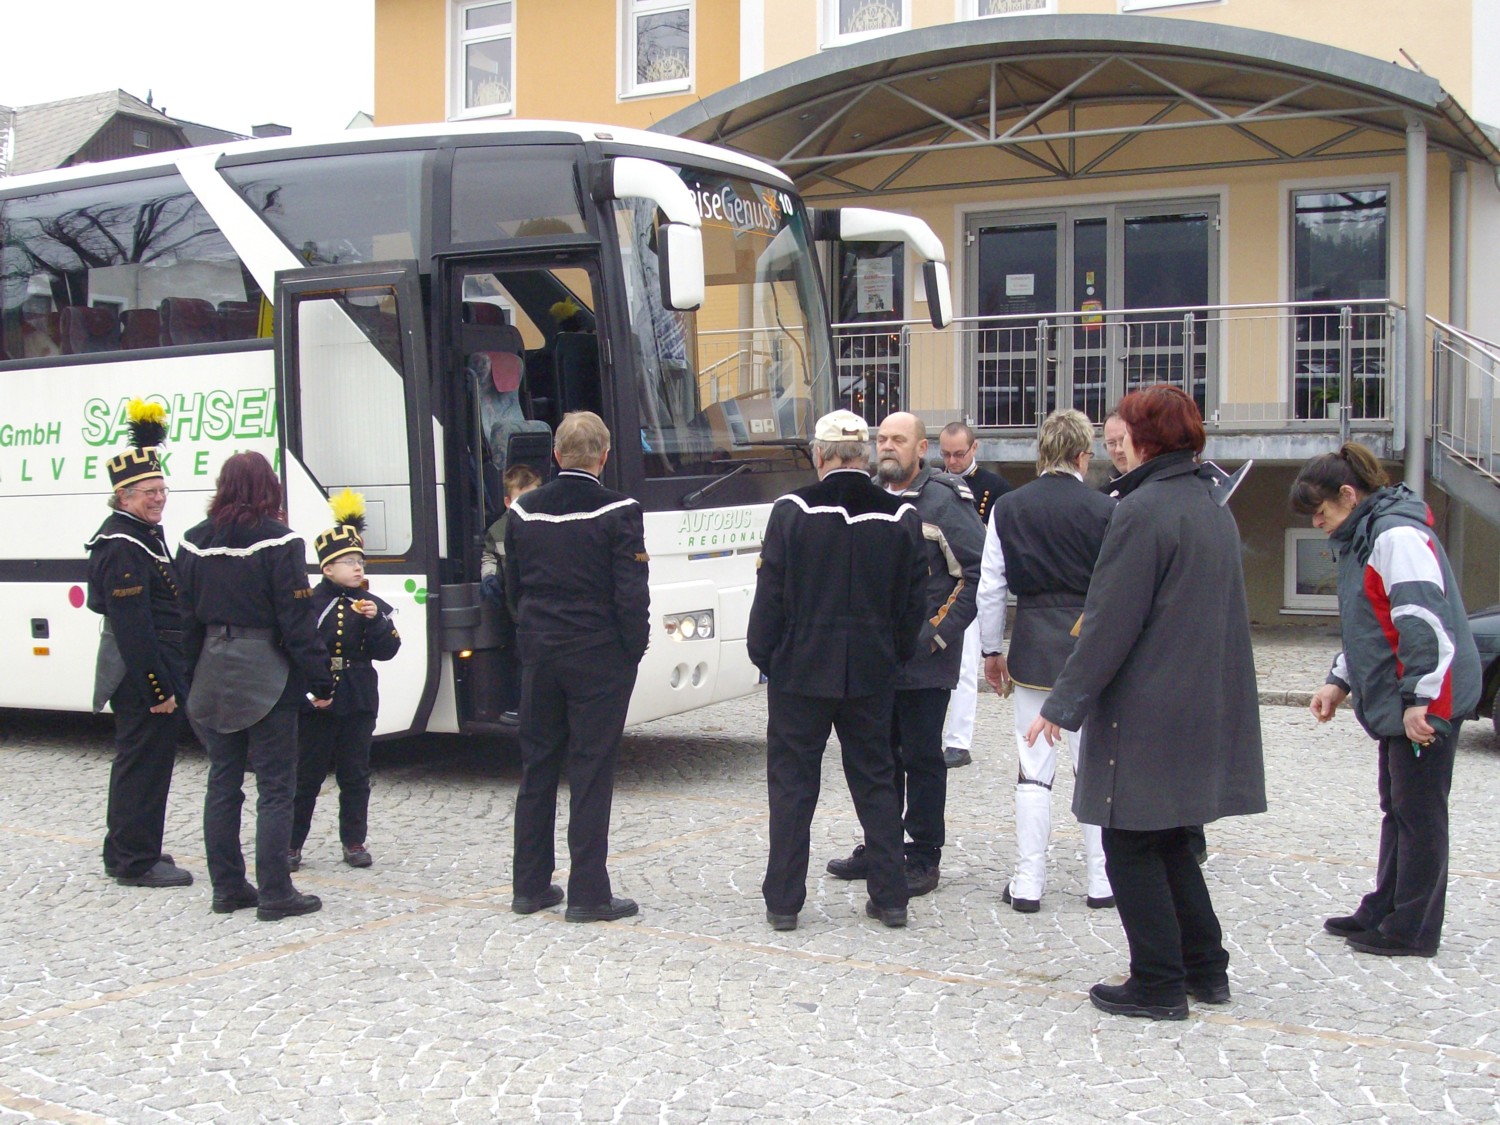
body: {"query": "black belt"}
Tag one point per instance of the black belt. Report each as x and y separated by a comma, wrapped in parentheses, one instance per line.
(242, 632)
(344, 663)
(170, 635)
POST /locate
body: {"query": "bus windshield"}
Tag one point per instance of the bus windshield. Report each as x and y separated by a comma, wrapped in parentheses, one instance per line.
(744, 377)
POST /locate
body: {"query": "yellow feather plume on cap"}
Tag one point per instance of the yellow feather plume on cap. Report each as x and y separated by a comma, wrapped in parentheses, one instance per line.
(349, 508)
(147, 422)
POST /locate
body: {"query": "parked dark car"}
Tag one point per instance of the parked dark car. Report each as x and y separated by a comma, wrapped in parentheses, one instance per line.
(1486, 627)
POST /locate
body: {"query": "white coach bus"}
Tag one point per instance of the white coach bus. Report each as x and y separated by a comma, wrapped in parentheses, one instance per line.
(406, 312)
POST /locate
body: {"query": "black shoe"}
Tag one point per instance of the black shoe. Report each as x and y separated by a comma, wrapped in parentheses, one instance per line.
(611, 911)
(781, 921)
(161, 874)
(855, 867)
(1020, 905)
(920, 879)
(113, 871)
(294, 860)
(1378, 943)
(299, 903)
(1347, 926)
(892, 916)
(1105, 903)
(242, 899)
(530, 904)
(510, 718)
(955, 756)
(1209, 993)
(357, 855)
(1124, 1000)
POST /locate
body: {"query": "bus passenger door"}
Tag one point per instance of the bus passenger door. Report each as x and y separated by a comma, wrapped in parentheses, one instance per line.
(352, 392)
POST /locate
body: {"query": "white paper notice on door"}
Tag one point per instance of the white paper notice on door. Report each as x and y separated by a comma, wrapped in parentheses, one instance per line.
(1020, 284)
(875, 284)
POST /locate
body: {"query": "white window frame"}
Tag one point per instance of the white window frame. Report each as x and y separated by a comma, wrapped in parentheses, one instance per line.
(1151, 5)
(630, 12)
(832, 37)
(459, 39)
(969, 10)
(1291, 600)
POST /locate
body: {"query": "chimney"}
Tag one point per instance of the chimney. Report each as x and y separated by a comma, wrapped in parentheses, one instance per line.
(263, 131)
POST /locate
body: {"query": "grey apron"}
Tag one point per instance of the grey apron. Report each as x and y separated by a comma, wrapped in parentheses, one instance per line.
(240, 676)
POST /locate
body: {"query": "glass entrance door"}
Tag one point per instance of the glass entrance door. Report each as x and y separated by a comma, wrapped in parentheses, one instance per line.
(1054, 290)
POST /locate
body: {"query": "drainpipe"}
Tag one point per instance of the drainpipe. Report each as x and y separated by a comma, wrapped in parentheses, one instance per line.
(1458, 316)
(1416, 305)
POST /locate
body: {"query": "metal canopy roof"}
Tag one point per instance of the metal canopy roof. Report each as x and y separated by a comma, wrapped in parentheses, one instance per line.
(1039, 99)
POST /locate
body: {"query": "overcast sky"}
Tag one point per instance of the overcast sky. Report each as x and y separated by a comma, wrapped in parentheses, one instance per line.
(304, 63)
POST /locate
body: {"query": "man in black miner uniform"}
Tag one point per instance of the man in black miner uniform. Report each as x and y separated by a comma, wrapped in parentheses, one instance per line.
(839, 596)
(576, 580)
(953, 543)
(140, 670)
(960, 451)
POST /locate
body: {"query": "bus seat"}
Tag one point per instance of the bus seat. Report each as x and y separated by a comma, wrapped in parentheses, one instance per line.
(140, 328)
(41, 334)
(534, 448)
(483, 312)
(86, 329)
(497, 376)
(239, 320)
(576, 355)
(188, 320)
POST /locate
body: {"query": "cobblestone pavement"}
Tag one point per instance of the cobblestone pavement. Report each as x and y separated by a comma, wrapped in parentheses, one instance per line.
(416, 996)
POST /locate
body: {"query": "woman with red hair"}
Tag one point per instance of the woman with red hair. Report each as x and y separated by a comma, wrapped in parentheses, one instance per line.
(250, 633)
(1164, 675)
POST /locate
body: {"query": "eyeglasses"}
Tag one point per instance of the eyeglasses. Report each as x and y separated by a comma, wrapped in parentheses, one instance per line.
(1115, 443)
(151, 492)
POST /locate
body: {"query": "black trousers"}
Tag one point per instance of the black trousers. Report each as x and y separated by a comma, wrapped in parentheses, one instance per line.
(796, 733)
(342, 742)
(268, 747)
(1174, 935)
(1411, 875)
(572, 714)
(139, 779)
(921, 772)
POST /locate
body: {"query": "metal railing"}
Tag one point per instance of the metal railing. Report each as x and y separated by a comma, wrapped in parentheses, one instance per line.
(1307, 364)
(1465, 380)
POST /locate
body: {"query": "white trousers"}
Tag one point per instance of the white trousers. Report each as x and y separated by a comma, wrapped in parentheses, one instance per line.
(1034, 806)
(958, 726)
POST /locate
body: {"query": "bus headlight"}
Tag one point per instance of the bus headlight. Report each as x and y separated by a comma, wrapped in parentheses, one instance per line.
(697, 624)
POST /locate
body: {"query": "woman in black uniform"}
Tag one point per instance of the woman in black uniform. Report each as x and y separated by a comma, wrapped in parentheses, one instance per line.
(250, 633)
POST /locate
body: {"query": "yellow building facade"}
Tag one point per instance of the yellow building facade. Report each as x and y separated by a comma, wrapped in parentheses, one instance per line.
(1224, 194)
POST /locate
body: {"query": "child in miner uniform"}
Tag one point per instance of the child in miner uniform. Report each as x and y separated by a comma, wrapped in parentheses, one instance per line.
(357, 627)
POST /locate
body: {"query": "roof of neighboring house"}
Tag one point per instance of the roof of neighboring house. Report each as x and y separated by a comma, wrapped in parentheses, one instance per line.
(49, 134)
(5, 136)
(205, 134)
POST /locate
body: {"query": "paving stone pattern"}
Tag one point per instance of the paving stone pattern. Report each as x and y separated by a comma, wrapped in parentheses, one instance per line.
(416, 996)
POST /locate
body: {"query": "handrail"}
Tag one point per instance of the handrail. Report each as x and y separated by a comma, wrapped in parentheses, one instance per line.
(1291, 306)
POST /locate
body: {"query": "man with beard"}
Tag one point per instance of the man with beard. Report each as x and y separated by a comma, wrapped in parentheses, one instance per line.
(953, 540)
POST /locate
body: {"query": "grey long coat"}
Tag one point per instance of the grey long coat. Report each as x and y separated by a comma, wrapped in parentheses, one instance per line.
(1163, 670)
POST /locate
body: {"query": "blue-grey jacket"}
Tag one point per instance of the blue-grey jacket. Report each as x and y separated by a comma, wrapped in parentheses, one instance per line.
(1406, 635)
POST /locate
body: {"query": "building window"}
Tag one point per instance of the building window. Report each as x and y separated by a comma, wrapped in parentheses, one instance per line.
(978, 9)
(657, 37)
(1340, 253)
(140, 138)
(1311, 582)
(848, 21)
(484, 62)
(1148, 5)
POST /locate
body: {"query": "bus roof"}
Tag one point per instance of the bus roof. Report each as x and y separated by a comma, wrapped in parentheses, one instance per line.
(354, 140)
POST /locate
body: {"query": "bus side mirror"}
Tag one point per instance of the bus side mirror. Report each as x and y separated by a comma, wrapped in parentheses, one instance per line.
(866, 224)
(680, 251)
(679, 240)
(939, 293)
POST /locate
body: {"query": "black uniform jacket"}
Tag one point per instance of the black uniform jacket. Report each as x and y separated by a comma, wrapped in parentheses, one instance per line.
(133, 583)
(577, 575)
(1050, 533)
(953, 540)
(987, 487)
(353, 640)
(841, 589)
(254, 578)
